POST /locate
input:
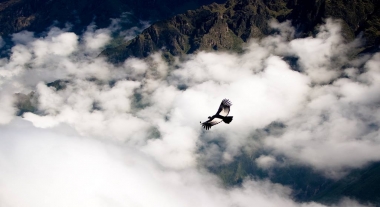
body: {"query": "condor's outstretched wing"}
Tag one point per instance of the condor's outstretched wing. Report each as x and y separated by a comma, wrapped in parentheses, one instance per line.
(224, 108)
(211, 122)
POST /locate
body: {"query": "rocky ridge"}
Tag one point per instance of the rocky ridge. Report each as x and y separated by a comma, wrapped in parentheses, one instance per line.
(226, 26)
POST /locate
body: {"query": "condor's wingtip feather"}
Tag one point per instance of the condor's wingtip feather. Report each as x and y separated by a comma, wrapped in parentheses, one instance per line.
(207, 127)
(227, 102)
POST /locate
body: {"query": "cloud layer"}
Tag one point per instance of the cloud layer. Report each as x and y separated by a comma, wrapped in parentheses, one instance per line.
(129, 135)
(57, 167)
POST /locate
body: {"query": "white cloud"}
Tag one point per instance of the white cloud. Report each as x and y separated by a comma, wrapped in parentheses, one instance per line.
(96, 39)
(339, 119)
(7, 110)
(41, 121)
(322, 57)
(265, 161)
(56, 44)
(23, 37)
(45, 167)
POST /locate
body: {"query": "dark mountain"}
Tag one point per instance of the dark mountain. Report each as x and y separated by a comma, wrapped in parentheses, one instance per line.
(360, 184)
(308, 185)
(227, 26)
(37, 15)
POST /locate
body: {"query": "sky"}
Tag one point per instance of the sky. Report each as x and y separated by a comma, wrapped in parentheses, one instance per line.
(129, 134)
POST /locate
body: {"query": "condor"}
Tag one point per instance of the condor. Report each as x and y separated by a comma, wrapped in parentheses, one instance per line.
(221, 115)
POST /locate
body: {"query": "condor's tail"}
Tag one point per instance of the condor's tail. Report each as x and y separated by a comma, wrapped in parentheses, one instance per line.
(227, 119)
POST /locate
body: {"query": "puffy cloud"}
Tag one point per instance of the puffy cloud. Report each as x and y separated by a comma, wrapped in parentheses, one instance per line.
(339, 118)
(265, 161)
(96, 39)
(57, 167)
(7, 110)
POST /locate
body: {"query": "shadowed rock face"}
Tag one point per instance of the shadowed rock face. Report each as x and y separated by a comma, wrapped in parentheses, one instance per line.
(36, 15)
(212, 27)
(227, 26)
(308, 185)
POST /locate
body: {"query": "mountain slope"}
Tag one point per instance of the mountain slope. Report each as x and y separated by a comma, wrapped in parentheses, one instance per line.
(37, 15)
(307, 185)
(361, 184)
(227, 26)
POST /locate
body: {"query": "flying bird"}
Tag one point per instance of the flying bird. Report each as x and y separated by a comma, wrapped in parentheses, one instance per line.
(221, 115)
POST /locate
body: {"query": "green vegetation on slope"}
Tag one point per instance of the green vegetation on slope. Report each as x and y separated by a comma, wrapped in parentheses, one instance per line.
(37, 15)
(227, 26)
